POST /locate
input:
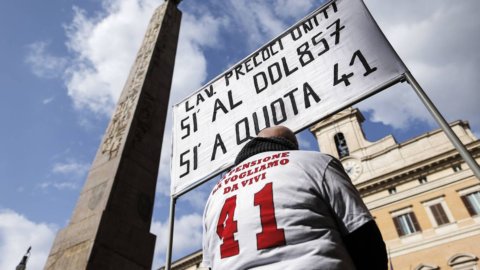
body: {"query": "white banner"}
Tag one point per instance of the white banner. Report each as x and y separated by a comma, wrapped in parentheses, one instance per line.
(329, 60)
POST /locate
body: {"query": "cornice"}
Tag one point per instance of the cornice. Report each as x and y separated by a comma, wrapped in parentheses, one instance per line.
(432, 164)
(187, 261)
(435, 241)
(349, 112)
(412, 140)
(429, 186)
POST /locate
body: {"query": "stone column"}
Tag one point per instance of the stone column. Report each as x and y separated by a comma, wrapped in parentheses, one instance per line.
(110, 226)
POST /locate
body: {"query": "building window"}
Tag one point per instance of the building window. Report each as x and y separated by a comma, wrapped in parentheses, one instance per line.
(341, 144)
(422, 180)
(438, 212)
(457, 168)
(392, 190)
(472, 202)
(406, 224)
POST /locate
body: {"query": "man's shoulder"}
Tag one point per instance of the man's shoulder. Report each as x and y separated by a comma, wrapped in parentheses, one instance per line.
(311, 155)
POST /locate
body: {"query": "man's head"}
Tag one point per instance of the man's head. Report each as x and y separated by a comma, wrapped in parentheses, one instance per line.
(278, 138)
(279, 132)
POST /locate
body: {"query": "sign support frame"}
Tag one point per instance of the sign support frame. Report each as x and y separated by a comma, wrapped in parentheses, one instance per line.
(429, 105)
(171, 220)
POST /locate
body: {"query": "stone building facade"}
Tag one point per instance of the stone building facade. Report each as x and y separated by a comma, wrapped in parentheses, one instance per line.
(424, 197)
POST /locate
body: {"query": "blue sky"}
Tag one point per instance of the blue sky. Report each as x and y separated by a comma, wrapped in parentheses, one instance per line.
(64, 63)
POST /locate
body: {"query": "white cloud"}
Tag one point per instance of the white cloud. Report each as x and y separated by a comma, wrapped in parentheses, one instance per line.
(104, 47)
(47, 100)
(438, 42)
(42, 63)
(196, 34)
(70, 172)
(197, 199)
(293, 8)
(17, 233)
(437, 46)
(59, 185)
(71, 167)
(256, 18)
(259, 20)
(386, 108)
(187, 237)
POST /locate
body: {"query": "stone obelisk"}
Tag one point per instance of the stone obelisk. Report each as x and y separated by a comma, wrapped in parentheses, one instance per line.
(110, 226)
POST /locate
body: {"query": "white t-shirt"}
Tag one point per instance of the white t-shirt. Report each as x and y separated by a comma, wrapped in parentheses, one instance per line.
(282, 210)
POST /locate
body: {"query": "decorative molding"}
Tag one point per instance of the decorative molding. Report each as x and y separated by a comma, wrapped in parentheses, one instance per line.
(468, 190)
(462, 258)
(413, 140)
(429, 186)
(402, 211)
(431, 242)
(423, 266)
(432, 163)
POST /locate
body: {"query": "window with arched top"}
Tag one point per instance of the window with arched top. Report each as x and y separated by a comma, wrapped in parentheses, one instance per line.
(423, 266)
(341, 143)
(463, 261)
